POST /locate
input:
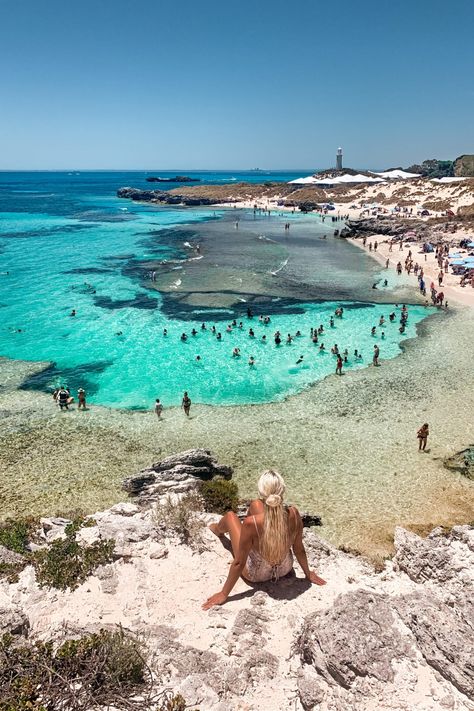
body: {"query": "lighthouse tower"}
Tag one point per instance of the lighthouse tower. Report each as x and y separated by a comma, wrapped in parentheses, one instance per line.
(339, 159)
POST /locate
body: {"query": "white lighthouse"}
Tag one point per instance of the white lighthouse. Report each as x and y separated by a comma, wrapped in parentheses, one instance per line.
(339, 159)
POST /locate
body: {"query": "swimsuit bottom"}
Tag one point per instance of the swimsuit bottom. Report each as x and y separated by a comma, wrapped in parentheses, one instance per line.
(259, 570)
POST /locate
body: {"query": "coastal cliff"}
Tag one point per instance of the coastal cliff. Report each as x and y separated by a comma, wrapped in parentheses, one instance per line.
(397, 638)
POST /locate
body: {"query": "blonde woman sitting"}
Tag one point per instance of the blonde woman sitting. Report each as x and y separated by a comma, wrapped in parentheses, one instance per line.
(262, 545)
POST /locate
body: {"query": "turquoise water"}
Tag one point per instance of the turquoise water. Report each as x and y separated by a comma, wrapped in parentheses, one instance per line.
(81, 248)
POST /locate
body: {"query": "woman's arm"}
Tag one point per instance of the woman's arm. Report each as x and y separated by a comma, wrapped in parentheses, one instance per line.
(300, 552)
(236, 568)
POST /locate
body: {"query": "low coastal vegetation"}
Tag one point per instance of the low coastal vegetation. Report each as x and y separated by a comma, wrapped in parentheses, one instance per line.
(181, 516)
(62, 564)
(108, 668)
(66, 564)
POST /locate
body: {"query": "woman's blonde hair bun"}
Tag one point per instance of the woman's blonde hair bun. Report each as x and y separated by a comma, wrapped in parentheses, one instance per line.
(271, 488)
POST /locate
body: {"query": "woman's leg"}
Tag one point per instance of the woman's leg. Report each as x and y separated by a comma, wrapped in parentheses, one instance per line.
(229, 523)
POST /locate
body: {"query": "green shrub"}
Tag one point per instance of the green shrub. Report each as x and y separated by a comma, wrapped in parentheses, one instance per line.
(66, 564)
(15, 533)
(219, 495)
(107, 668)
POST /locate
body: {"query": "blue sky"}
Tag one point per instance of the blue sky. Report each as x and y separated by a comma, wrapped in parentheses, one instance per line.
(207, 84)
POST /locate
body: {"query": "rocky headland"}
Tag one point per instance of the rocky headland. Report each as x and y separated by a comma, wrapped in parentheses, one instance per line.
(395, 638)
(437, 198)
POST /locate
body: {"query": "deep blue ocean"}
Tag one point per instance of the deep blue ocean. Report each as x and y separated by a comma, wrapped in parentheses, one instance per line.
(68, 245)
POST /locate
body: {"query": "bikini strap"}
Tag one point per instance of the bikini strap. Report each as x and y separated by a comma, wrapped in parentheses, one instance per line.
(256, 528)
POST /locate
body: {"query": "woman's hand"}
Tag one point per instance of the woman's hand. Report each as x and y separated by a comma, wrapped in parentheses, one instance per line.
(313, 578)
(217, 599)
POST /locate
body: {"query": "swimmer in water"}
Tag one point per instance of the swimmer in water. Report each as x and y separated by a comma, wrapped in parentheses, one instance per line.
(236, 353)
(372, 331)
(203, 326)
(219, 336)
(321, 347)
(300, 360)
(184, 337)
(198, 357)
(165, 332)
(251, 333)
(194, 332)
(289, 338)
(73, 312)
(251, 361)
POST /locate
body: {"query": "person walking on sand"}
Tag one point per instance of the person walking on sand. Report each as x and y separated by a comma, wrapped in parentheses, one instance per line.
(339, 365)
(186, 403)
(158, 408)
(264, 544)
(422, 435)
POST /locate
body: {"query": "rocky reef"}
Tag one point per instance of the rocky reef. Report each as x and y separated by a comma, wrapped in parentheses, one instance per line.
(389, 227)
(396, 639)
(176, 179)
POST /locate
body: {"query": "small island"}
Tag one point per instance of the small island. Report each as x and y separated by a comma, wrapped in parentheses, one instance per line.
(176, 179)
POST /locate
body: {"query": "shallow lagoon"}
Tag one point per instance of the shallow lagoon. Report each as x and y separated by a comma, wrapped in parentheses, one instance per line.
(208, 266)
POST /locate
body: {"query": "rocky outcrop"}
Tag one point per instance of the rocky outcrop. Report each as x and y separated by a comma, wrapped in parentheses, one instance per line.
(356, 638)
(447, 560)
(177, 474)
(464, 166)
(395, 643)
(444, 635)
(462, 462)
(176, 179)
(387, 226)
(163, 197)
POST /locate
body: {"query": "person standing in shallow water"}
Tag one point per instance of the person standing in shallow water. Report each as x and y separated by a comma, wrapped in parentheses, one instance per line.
(81, 399)
(186, 403)
(264, 544)
(375, 359)
(422, 435)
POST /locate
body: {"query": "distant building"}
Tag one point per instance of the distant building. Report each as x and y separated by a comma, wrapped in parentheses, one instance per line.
(339, 159)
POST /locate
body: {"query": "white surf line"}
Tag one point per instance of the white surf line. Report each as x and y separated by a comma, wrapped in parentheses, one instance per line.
(282, 266)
